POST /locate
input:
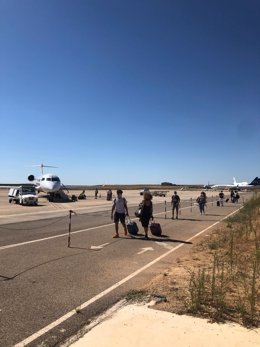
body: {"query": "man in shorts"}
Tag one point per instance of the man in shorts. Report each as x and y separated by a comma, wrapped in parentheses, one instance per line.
(119, 212)
(175, 204)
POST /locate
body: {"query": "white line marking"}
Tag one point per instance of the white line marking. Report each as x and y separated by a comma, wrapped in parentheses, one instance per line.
(110, 289)
(52, 237)
(164, 244)
(100, 246)
(143, 250)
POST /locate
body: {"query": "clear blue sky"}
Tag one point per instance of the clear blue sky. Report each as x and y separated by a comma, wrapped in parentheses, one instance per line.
(130, 91)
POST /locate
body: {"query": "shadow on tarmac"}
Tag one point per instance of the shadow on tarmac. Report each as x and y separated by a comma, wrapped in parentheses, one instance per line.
(162, 238)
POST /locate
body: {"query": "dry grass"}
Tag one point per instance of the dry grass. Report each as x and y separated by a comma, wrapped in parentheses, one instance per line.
(220, 277)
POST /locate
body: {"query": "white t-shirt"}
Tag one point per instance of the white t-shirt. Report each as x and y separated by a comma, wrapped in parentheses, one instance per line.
(120, 205)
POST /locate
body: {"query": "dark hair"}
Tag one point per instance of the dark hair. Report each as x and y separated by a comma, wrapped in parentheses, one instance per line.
(119, 191)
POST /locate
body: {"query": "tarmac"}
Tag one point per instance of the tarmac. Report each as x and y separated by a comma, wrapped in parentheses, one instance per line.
(139, 325)
(135, 324)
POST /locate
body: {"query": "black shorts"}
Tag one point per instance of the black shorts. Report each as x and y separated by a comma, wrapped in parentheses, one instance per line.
(175, 206)
(119, 217)
(145, 222)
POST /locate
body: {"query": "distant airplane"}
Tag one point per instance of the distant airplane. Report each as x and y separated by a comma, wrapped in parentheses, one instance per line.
(47, 183)
(235, 185)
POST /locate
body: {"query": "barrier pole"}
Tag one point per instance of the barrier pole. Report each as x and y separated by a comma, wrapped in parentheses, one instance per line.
(70, 211)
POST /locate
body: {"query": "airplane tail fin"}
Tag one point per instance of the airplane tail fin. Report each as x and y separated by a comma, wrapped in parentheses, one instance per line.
(234, 181)
(255, 182)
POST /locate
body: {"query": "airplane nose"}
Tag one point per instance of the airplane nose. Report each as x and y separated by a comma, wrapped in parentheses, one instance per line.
(56, 186)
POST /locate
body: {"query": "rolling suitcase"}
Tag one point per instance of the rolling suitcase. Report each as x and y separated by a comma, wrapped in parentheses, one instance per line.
(132, 227)
(156, 229)
(218, 203)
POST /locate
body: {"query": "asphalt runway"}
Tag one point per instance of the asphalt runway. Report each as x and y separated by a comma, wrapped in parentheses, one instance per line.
(49, 291)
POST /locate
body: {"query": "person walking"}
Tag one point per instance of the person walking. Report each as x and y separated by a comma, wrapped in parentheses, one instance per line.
(175, 204)
(146, 212)
(119, 212)
(201, 200)
(221, 198)
(237, 196)
(232, 195)
(96, 193)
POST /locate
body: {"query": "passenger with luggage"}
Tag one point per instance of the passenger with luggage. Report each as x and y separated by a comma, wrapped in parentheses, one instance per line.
(109, 195)
(221, 198)
(175, 204)
(119, 212)
(201, 200)
(146, 212)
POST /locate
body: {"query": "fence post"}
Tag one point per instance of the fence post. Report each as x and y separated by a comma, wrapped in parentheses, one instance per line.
(70, 211)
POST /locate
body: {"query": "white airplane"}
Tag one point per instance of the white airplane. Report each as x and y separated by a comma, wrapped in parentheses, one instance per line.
(47, 183)
(235, 185)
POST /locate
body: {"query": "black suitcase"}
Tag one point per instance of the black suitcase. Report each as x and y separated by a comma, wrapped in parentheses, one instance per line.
(227, 200)
(218, 203)
(156, 229)
(132, 228)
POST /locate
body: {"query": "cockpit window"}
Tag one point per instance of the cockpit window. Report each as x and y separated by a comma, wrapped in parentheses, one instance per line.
(48, 179)
(43, 179)
(55, 179)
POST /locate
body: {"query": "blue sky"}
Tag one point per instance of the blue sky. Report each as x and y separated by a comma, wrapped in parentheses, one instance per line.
(127, 91)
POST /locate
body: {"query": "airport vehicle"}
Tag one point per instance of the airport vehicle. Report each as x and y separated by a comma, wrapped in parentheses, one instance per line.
(47, 183)
(159, 192)
(154, 192)
(235, 185)
(23, 195)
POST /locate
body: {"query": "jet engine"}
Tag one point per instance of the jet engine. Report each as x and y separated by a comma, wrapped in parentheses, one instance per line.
(31, 178)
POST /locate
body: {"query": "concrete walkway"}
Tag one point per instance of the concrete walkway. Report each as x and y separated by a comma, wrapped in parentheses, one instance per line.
(137, 325)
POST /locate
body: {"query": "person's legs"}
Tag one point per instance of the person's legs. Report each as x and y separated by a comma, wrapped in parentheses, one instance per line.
(177, 211)
(172, 212)
(116, 229)
(146, 232)
(122, 220)
(116, 220)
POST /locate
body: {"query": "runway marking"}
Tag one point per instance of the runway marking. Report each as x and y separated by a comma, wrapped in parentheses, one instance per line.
(145, 249)
(99, 247)
(110, 289)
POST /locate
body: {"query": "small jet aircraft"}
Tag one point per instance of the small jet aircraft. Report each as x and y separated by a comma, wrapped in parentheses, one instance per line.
(47, 183)
(235, 185)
